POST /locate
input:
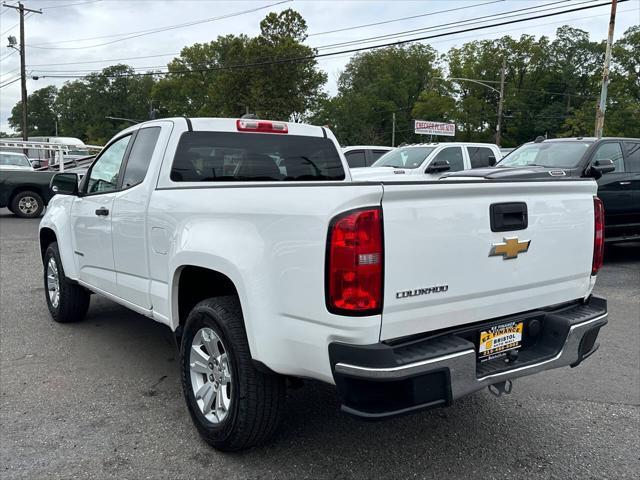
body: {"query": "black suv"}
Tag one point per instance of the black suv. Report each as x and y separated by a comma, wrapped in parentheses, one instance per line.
(614, 162)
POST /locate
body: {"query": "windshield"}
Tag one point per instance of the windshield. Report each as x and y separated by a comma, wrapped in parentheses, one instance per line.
(408, 157)
(15, 159)
(549, 154)
(79, 153)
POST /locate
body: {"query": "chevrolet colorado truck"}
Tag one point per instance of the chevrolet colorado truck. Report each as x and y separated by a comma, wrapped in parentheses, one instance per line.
(249, 239)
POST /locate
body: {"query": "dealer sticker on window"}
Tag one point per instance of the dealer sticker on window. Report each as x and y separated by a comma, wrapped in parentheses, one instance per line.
(499, 339)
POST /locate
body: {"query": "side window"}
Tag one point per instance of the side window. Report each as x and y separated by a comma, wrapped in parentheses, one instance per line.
(633, 156)
(104, 173)
(453, 155)
(611, 151)
(140, 156)
(376, 154)
(355, 159)
(479, 156)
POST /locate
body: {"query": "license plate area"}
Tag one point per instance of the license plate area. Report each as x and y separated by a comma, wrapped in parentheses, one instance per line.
(495, 341)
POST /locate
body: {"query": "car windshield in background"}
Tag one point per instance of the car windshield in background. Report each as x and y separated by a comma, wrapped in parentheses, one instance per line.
(230, 156)
(79, 153)
(14, 159)
(547, 154)
(411, 157)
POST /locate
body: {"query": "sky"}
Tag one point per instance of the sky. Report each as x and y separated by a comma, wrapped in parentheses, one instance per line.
(65, 33)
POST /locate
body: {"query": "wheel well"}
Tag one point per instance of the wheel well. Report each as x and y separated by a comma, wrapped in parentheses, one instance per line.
(196, 284)
(47, 237)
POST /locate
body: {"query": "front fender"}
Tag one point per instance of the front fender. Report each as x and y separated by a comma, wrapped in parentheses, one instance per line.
(58, 219)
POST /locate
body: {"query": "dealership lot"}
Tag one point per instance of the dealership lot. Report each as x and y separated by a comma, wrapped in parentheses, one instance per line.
(102, 399)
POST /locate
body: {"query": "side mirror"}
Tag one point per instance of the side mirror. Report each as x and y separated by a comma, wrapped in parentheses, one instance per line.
(603, 166)
(492, 160)
(438, 166)
(64, 184)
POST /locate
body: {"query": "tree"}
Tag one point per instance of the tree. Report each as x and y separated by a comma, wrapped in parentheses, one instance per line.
(41, 114)
(373, 86)
(84, 104)
(226, 77)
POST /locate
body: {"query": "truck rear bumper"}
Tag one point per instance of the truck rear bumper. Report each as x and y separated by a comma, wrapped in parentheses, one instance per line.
(393, 378)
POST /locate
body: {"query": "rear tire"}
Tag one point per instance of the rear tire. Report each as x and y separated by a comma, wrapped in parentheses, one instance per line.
(253, 400)
(27, 204)
(67, 301)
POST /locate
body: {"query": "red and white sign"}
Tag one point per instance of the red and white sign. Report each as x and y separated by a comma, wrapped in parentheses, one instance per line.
(425, 127)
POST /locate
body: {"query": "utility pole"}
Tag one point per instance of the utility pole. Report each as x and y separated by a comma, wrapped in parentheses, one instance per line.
(393, 131)
(501, 101)
(20, 8)
(602, 106)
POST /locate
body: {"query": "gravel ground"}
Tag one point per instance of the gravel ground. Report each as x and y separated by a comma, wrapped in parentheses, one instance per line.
(102, 399)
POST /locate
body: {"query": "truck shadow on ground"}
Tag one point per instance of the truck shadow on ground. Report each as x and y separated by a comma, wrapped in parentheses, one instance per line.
(315, 436)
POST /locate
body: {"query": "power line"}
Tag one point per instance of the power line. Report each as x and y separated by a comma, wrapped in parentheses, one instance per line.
(345, 29)
(444, 26)
(7, 55)
(352, 50)
(10, 82)
(177, 53)
(71, 4)
(26, 17)
(9, 72)
(320, 47)
(142, 33)
(105, 60)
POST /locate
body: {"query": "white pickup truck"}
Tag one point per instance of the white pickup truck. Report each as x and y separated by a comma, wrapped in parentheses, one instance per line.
(249, 239)
(428, 161)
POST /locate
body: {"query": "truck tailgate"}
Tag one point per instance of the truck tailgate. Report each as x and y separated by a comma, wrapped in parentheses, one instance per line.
(438, 237)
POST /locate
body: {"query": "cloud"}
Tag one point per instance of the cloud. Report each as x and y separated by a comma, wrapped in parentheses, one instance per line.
(65, 22)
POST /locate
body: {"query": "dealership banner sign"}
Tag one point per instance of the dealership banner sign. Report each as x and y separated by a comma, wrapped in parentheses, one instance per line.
(425, 127)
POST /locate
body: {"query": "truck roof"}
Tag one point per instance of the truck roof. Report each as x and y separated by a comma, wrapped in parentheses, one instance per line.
(218, 124)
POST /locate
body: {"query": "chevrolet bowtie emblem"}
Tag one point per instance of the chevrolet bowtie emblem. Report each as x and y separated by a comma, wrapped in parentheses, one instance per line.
(510, 248)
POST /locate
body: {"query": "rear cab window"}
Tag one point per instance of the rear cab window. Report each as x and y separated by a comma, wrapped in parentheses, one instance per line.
(356, 158)
(236, 157)
(453, 155)
(481, 157)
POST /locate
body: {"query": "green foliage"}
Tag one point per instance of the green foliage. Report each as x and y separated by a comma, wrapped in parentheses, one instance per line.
(41, 116)
(83, 105)
(373, 86)
(285, 91)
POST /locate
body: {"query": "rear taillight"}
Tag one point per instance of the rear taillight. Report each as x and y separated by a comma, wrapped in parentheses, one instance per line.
(598, 235)
(261, 126)
(354, 263)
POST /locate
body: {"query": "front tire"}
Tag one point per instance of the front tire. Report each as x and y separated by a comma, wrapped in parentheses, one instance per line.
(233, 405)
(67, 301)
(27, 204)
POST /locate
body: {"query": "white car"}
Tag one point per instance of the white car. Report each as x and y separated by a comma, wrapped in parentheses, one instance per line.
(249, 240)
(430, 161)
(364, 155)
(14, 161)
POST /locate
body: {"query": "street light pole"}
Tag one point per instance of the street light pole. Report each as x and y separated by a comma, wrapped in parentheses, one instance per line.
(501, 101)
(602, 106)
(23, 76)
(393, 131)
(499, 92)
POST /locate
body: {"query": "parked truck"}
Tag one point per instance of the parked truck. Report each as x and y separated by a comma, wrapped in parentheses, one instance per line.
(250, 241)
(25, 193)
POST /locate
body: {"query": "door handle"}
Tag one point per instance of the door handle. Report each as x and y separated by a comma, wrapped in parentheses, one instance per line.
(624, 183)
(102, 212)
